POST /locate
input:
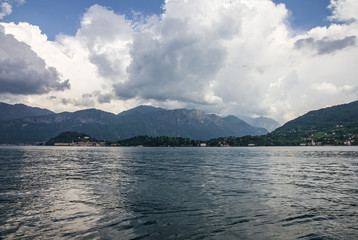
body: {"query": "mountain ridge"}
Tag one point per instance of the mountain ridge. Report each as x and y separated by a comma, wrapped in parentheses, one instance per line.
(336, 125)
(264, 122)
(143, 120)
(15, 111)
(141, 109)
(333, 115)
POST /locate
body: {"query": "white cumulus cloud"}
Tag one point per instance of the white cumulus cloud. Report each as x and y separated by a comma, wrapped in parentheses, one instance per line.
(5, 9)
(224, 56)
(344, 10)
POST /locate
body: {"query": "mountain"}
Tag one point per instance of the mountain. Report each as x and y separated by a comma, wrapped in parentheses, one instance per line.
(41, 128)
(8, 111)
(143, 120)
(324, 118)
(335, 125)
(143, 109)
(262, 122)
(186, 123)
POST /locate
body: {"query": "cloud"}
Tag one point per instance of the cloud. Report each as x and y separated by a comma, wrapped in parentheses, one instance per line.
(330, 88)
(85, 100)
(344, 10)
(170, 67)
(224, 56)
(325, 46)
(180, 55)
(107, 36)
(103, 97)
(5, 9)
(23, 72)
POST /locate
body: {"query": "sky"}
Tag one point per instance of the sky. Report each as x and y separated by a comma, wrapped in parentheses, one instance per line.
(278, 59)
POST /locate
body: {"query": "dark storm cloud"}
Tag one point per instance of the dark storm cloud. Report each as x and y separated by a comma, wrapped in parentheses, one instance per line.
(22, 71)
(103, 98)
(325, 46)
(178, 66)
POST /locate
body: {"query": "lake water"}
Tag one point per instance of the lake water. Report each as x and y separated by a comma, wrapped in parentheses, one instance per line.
(179, 193)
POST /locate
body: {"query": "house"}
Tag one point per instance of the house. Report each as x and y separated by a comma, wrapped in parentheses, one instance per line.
(62, 144)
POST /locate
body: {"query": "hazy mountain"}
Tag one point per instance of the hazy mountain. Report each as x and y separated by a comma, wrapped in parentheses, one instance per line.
(8, 111)
(143, 120)
(262, 122)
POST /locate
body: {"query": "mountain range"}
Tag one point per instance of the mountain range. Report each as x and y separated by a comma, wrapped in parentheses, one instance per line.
(337, 125)
(38, 125)
(9, 112)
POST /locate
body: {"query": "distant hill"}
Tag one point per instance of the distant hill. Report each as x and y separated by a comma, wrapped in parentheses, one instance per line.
(8, 111)
(262, 122)
(162, 141)
(143, 120)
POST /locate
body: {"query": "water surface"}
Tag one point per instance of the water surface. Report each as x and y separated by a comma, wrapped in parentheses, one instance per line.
(179, 193)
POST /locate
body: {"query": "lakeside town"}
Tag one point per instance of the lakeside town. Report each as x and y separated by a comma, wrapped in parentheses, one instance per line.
(338, 137)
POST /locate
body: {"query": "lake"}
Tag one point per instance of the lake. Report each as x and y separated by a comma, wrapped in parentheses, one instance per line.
(179, 193)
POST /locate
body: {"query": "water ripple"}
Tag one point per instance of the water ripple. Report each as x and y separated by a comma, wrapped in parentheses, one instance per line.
(182, 193)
